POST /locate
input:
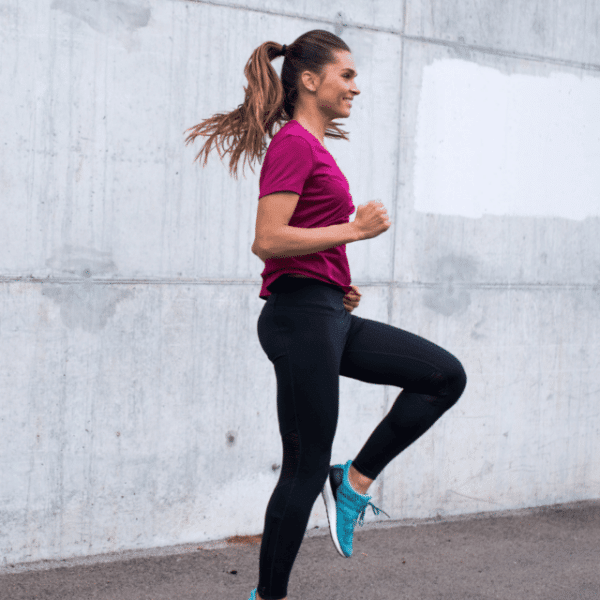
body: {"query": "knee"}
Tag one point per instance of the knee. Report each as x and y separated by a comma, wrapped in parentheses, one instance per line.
(459, 380)
(312, 479)
(456, 383)
(314, 464)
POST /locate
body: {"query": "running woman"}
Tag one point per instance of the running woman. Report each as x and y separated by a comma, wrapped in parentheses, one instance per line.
(306, 328)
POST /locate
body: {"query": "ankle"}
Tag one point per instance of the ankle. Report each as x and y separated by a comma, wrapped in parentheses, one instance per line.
(359, 483)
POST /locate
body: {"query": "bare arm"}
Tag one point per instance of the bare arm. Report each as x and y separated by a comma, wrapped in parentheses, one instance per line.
(276, 239)
(259, 254)
(299, 241)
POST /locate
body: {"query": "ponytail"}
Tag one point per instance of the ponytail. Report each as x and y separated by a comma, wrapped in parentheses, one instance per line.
(269, 100)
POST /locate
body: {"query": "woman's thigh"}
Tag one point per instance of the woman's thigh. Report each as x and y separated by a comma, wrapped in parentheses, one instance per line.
(305, 348)
(376, 352)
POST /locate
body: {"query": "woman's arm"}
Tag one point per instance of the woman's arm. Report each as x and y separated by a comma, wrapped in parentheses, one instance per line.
(259, 253)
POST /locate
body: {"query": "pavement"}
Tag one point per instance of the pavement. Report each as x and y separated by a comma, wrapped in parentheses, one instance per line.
(546, 553)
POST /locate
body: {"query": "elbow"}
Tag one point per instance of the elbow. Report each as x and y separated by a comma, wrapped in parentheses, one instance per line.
(260, 251)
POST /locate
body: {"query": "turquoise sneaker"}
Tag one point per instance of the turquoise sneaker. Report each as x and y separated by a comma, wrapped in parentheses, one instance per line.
(253, 594)
(344, 508)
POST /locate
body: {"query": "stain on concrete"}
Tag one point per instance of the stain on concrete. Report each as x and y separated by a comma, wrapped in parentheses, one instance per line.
(341, 22)
(86, 304)
(474, 333)
(82, 261)
(450, 296)
(107, 16)
(244, 540)
(462, 50)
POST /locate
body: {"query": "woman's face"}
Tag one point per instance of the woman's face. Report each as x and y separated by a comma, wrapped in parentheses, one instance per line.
(336, 85)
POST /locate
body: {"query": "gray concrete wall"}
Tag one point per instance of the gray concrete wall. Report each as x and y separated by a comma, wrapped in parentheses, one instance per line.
(137, 406)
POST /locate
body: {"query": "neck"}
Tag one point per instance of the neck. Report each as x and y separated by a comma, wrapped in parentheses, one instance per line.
(317, 129)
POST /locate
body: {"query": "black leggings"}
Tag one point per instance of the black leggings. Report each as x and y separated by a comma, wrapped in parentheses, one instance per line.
(311, 339)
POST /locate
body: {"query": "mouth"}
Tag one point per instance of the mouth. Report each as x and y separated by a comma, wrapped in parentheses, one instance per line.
(348, 101)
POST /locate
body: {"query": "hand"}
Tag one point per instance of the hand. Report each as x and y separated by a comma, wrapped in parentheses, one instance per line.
(352, 299)
(371, 220)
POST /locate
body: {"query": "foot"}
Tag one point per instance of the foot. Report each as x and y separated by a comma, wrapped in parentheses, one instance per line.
(345, 507)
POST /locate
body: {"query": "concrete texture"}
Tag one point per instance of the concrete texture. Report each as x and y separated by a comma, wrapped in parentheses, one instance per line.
(546, 553)
(137, 408)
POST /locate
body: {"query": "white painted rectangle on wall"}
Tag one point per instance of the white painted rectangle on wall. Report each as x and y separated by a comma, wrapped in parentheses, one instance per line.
(519, 145)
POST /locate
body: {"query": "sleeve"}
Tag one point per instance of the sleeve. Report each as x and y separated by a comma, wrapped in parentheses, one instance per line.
(287, 166)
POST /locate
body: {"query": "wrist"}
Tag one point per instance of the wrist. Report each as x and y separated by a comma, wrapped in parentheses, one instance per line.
(356, 232)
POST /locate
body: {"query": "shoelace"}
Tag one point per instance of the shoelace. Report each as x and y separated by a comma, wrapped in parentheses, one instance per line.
(376, 511)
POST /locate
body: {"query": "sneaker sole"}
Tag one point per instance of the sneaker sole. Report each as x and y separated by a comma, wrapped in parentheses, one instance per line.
(331, 509)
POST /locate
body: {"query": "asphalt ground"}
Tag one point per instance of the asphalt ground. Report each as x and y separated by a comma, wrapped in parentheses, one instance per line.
(545, 553)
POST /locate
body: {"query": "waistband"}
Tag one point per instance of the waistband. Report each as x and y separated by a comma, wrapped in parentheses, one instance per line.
(286, 284)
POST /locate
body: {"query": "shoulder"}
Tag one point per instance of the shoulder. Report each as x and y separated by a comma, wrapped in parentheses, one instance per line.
(292, 141)
(290, 148)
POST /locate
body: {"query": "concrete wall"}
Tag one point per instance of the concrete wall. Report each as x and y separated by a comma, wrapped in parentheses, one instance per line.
(137, 406)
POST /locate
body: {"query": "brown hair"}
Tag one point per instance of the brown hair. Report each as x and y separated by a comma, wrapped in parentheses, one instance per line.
(269, 100)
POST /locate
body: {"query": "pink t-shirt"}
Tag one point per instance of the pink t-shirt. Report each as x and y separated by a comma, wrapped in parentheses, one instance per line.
(297, 162)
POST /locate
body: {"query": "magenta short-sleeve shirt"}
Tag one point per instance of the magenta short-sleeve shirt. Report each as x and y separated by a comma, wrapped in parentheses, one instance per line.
(297, 162)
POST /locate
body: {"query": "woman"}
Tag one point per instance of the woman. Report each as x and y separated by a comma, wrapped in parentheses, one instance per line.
(306, 327)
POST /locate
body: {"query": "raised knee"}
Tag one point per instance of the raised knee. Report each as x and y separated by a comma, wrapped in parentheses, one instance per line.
(456, 383)
(459, 382)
